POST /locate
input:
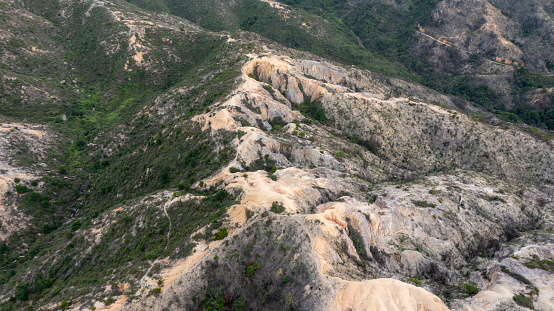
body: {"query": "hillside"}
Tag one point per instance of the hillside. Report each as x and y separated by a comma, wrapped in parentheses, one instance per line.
(497, 54)
(260, 155)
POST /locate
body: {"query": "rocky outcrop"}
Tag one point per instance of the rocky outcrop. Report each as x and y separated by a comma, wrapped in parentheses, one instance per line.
(431, 229)
(385, 294)
(347, 191)
(407, 136)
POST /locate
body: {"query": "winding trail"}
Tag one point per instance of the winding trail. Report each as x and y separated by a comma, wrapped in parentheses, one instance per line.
(462, 49)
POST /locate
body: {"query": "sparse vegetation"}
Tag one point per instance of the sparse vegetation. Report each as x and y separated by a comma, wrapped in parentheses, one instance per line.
(516, 276)
(126, 183)
(537, 263)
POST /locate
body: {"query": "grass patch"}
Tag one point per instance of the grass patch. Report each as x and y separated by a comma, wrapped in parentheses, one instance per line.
(536, 263)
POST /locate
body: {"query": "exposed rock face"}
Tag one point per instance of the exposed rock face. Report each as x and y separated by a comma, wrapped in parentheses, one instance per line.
(509, 275)
(392, 200)
(385, 294)
(431, 229)
(413, 136)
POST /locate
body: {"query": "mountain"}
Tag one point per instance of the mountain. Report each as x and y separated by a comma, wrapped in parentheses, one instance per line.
(497, 54)
(262, 155)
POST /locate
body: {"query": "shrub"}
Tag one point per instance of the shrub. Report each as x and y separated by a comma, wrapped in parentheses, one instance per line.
(215, 304)
(16, 180)
(523, 301)
(339, 154)
(516, 276)
(156, 290)
(415, 281)
(240, 133)
(233, 169)
(22, 292)
(251, 269)
(536, 263)
(271, 168)
(64, 305)
(239, 304)
(109, 301)
(21, 189)
(423, 203)
(75, 226)
(470, 289)
(221, 234)
(277, 207)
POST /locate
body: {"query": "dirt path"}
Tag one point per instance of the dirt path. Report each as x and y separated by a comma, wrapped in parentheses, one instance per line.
(462, 49)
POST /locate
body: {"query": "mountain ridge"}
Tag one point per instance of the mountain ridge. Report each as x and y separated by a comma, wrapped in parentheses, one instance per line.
(186, 168)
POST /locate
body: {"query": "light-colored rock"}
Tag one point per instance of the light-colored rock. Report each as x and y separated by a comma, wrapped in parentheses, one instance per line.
(385, 294)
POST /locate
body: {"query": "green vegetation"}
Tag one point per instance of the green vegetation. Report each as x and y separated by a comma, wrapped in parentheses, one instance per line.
(117, 249)
(536, 263)
(252, 268)
(516, 276)
(388, 34)
(214, 304)
(265, 163)
(423, 203)
(118, 148)
(524, 301)
(470, 289)
(415, 281)
(358, 241)
(277, 207)
(22, 189)
(221, 234)
(313, 110)
(541, 115)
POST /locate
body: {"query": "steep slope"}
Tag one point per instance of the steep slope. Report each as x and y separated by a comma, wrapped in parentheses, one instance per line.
(223, 171)
(494, 53)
